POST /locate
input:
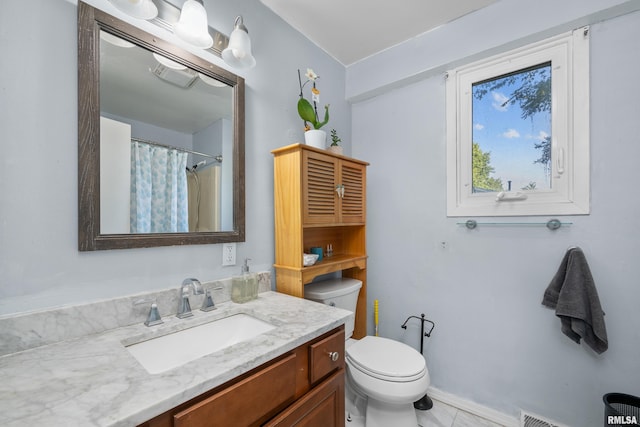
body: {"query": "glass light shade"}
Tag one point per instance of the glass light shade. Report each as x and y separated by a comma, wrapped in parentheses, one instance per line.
(141, 9)
(116, 41)
(193, 27)
(211, 81)
(238, 53)
(168, 62)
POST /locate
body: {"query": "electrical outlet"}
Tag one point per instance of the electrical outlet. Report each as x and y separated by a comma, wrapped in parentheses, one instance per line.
(228, 254)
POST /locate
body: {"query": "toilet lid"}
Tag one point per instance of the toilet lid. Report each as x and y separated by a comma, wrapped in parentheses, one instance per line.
(386, 359)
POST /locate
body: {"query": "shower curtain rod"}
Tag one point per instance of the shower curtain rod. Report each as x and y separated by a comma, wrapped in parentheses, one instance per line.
(218, 158)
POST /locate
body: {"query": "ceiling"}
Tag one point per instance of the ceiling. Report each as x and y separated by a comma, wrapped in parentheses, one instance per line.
(351, 30)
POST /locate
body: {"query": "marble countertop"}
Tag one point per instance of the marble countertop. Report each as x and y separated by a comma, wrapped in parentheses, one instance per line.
(94, 381)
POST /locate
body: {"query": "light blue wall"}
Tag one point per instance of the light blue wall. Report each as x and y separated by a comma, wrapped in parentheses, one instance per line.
(40, 265)
(494, 343)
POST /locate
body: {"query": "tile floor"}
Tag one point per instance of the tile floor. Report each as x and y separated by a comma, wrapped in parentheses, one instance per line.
(441, 415)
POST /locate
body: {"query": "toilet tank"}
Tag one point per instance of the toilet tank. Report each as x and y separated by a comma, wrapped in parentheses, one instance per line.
(341, 292)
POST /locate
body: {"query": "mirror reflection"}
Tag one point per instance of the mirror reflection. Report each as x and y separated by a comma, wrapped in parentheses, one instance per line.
(165, 131)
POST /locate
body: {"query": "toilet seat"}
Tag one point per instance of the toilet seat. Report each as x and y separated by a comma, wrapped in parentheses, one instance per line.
(386, 359)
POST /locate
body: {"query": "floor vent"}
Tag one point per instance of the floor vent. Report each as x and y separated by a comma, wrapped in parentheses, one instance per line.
(528, 419)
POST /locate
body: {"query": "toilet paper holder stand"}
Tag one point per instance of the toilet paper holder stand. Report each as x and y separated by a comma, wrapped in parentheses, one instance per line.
(424, 403)
(423, 334)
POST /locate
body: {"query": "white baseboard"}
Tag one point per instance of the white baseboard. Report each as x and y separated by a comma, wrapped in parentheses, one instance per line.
(473, 408)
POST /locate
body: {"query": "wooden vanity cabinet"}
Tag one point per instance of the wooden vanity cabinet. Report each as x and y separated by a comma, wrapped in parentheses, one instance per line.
(320, 200)
(302, 387)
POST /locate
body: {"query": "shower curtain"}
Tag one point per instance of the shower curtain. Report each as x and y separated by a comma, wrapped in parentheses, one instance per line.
(204, 199)
(159, 201)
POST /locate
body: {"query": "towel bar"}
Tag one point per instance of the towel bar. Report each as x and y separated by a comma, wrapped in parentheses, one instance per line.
(552, 224)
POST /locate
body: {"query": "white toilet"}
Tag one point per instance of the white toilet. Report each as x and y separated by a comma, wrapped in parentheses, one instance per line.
(384, 377)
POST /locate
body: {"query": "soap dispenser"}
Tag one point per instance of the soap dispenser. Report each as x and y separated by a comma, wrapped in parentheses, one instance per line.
(245, 286)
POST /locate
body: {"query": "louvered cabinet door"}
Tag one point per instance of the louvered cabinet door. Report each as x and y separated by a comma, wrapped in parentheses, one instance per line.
(320, 200)
(352, 197)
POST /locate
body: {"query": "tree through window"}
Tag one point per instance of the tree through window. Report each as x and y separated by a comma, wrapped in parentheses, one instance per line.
(512, 131)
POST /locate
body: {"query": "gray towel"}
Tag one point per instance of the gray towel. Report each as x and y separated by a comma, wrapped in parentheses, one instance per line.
(572, 293)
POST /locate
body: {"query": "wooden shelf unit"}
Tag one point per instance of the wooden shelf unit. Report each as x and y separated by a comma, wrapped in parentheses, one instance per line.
(309, 211)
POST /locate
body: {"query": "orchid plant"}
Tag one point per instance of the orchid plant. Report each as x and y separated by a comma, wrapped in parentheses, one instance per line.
(309, 113)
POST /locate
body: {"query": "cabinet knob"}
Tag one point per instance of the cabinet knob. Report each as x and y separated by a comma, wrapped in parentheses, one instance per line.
(334, 356)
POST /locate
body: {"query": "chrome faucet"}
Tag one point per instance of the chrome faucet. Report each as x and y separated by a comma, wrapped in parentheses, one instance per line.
(184, 308)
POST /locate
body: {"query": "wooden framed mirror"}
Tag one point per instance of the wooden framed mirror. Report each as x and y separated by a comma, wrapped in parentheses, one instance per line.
(139, 96)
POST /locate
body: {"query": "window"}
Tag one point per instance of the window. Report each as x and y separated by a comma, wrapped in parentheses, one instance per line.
(518, 131)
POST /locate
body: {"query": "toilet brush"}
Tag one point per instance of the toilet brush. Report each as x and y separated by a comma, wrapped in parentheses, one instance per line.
(375, 316)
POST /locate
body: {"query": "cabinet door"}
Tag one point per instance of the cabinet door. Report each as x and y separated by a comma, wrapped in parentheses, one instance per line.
(352, 201)
(325, 356)
(319, 180)
(323, 406)
(322, 176)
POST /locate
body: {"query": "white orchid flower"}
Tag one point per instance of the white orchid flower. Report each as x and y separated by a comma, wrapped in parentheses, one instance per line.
(310, 74)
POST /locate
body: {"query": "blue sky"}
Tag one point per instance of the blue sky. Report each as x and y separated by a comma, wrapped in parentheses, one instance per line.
(510, 139)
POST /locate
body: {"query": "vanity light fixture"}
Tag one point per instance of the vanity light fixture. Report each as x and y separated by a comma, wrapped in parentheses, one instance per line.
(238, 52)
(141, 9)
(190, 24)
(192, 27)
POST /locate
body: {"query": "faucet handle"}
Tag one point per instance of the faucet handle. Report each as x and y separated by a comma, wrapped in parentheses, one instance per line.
(184, 309)
(153, 318)
(207, 303)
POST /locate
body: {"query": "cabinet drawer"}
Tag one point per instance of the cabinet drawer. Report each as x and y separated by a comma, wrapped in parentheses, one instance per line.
(248, 402)
(325, 356)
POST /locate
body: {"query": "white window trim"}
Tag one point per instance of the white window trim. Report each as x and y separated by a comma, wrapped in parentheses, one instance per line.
(569, 194)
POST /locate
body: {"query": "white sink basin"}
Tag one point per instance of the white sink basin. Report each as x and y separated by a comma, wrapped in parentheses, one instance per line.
(170, 351)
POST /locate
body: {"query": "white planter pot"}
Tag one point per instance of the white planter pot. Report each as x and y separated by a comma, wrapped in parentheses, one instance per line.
(316, 138)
